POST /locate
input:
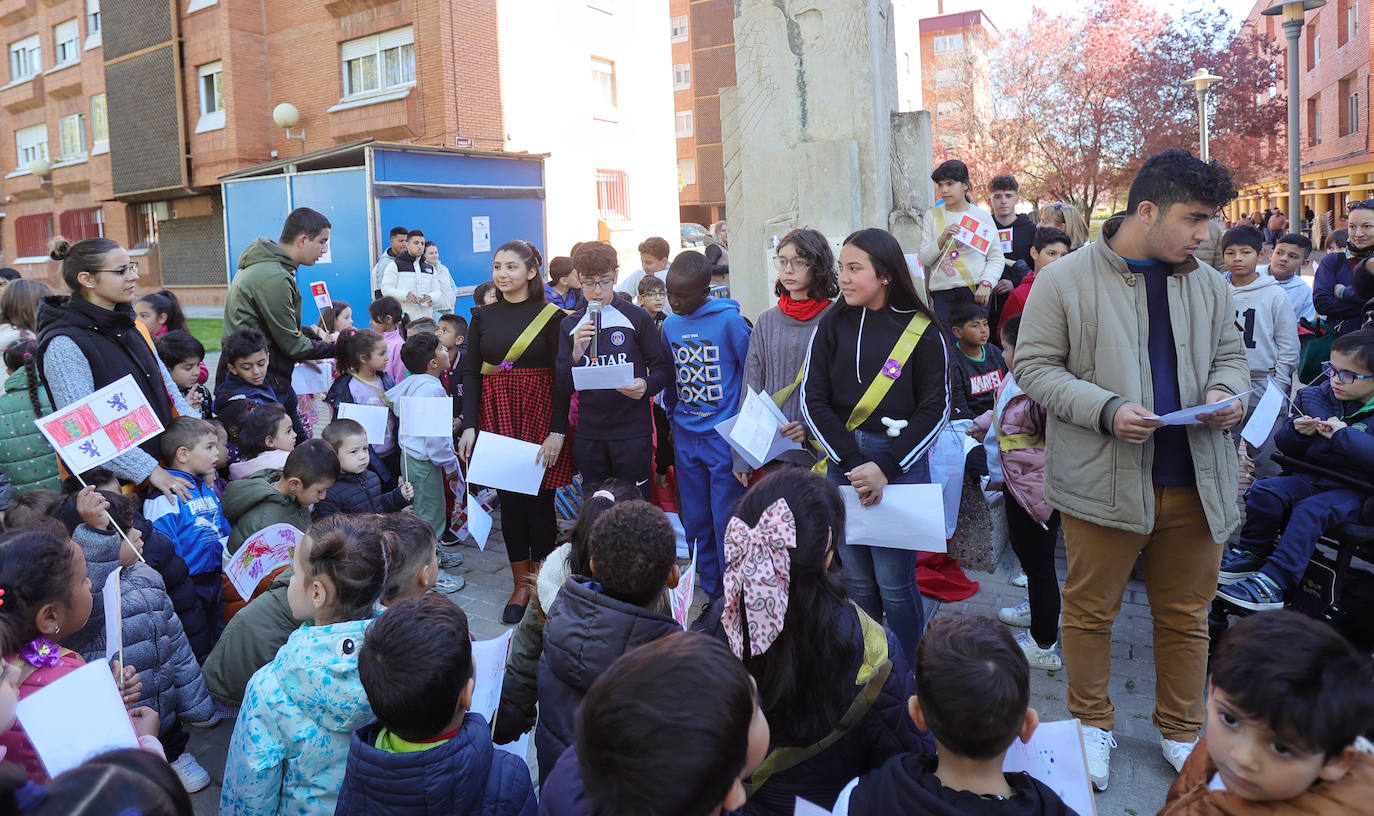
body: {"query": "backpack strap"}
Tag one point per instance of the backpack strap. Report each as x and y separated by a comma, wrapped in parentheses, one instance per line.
(522, 343)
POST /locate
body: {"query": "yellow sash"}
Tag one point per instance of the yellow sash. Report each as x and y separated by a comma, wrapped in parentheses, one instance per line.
(522, 343)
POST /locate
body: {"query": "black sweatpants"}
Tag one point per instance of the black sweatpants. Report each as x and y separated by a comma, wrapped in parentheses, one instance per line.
(1034, 546)
(528, 524)
(602, 459)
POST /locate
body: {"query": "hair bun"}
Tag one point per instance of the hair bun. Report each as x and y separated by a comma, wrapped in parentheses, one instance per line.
(59, 248)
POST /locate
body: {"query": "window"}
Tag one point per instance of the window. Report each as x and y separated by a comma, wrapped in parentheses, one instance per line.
(945, 77)
(100, 124)
(1346, 22)
(679, 28)
(92, 23)
(1313, 43)
(948, 43)
(1352, 20)
(26, 59)
(210, 78)
(143, 226)
(1317, 48)
(945, 110)
(1350, 114)
(32, 233)
(613, 195)
(32, 143)
(682, 76)
(66, 42)
(1314, 120)
(603, 83)
(71, 136)
(686, 172)
(78, 225)
(683, 121)
(381, 62)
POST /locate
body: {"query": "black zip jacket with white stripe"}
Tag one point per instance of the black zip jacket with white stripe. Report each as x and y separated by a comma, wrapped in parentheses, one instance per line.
(851, 348)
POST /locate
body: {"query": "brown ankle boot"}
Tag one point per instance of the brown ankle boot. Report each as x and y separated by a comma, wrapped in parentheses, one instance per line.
(520, 595)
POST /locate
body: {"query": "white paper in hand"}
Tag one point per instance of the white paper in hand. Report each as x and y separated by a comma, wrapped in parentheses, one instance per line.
(312, 377)
(479, 522)
(603, 377)
(76, 718)
(426, 416)
(114, 624)
(1193, 415)
(373, 418)
(755, 432)
(489, 671)
(1265, 415)
(910, 517)
(503, 463)
(1054, 756)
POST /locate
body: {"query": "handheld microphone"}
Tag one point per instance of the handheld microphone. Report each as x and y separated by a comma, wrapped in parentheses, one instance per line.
(594, 312)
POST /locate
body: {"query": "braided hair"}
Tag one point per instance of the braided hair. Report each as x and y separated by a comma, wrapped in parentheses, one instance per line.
(23, 354)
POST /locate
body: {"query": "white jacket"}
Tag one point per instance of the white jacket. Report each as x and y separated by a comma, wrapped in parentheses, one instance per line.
(1268, 327)
(946, 273)
(434, 281)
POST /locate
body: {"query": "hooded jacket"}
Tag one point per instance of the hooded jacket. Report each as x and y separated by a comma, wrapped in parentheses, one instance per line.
(1022, 237)
(25, 456)
(405, 275)
(1343, 310)
(264, 295)
(161, 555)
(709, 347)
(907, 784)
(1268, 328)
(1191, 794)
(437, 450)
(585, 632)
(358, 493)
(1015, 447)
(254, 503)
(465, 775)
(628, 335)
(520, 688)
(1083, 354)
(1350, 450)
(290, 744)
(233, 388)
(564, 793)
(196, 527)
(249, 642)
(1300, 297)
(1016, 300)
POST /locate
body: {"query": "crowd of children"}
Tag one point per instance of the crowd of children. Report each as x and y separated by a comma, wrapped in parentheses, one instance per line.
(809, 673)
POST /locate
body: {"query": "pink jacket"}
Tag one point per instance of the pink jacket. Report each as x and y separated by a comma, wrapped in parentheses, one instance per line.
(1020, 429)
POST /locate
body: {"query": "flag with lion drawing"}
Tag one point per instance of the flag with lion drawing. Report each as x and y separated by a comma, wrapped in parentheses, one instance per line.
(100, 427)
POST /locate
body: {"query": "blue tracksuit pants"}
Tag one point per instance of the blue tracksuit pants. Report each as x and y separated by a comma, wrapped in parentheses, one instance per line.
(707, 492)
(1295, 511)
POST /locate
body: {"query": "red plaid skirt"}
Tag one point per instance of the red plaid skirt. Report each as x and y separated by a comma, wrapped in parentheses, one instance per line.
(519, 404)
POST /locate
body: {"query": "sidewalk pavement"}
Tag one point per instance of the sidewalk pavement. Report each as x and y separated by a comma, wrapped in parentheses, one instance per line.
(1140, 776)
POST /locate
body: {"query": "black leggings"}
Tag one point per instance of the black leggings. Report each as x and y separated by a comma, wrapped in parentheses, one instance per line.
(1034, 547)
(528, 524)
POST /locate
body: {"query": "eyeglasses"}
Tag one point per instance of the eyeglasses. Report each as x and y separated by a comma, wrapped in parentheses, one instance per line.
(657, 293)
(799, 264)
(608, 283)
(131, 266)
(1343, 377)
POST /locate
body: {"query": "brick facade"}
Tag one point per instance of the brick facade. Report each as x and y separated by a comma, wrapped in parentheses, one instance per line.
(710, 50)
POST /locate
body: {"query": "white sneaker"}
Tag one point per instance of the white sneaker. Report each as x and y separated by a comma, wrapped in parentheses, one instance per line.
(1176, 752)
(1020, 580)
(193, 777)
(1018, 615)
(1039, 658)
(1098, 745)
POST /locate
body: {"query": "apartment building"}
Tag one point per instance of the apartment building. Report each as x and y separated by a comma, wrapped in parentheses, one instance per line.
(955, 79)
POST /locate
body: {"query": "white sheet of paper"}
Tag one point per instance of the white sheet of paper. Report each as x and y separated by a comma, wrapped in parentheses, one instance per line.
(1262, 419)
(1191, 415)
(504, 463)
(481, 233)
(603, 377)
(479, 522)
(806, 807)
(489, 669)
(777, 443)
(259, 554)
(426, 416)
(306, 378)
(683, 551)
(1055, 756)
(76, 718)
(114, 622)
(754, 429)
(910, 517)
(681, 595)
(373, 418)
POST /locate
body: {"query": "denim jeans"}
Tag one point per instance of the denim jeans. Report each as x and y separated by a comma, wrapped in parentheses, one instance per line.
(882, 580)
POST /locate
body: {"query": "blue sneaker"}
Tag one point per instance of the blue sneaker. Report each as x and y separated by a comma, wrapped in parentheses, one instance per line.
(1237, 564)
(1258, 592)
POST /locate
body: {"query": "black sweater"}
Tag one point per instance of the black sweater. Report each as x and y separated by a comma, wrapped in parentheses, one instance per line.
(832, 387)
(491, 333)
(609, 414)
(907, 784)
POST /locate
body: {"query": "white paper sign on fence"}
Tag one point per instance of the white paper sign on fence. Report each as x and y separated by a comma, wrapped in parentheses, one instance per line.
(373, 418)
(1055, 756)
(77, 717)
(102, 426)
(426, 416)
(503, 463)
(910, 517)
(114, 623)
(264, 551)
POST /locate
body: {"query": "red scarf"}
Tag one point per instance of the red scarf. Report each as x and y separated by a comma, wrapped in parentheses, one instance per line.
(802, 310)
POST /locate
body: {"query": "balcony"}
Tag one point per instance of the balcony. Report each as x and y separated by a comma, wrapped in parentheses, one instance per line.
(13, 11)
(22, 96)
(25, 186)
(389, 118)
(62, 82)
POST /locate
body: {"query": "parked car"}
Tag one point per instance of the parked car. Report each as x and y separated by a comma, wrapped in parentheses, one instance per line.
(694, 235)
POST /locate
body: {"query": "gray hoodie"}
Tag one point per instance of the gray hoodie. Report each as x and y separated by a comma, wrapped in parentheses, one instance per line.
(1268, 328)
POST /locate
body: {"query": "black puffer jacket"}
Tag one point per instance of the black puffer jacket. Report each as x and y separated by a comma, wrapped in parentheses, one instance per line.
(585, 632)
(358, 493)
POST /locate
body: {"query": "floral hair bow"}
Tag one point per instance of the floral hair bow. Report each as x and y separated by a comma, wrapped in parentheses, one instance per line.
(757, 578)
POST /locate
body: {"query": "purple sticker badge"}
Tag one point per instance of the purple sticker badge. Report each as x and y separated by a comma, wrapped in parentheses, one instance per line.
(892, 369)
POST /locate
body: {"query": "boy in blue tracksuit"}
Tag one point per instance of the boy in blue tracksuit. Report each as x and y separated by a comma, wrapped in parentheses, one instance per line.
(197, 528)
(709, 340)
(1333, 430)
(615, 430)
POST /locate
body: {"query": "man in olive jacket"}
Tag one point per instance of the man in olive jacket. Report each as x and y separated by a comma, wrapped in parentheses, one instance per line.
(1126, 329)
(264, 295)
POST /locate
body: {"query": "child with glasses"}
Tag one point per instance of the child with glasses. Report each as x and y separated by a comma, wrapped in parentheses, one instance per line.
(1332, 429)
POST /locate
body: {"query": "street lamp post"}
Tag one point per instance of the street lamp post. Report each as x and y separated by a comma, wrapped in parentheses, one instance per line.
(1293, 12)
(1202, 81)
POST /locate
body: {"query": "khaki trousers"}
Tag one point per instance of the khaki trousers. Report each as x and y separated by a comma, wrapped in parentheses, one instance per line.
(1181, 563)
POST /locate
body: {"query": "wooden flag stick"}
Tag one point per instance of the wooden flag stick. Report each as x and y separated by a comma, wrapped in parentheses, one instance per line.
(121, 532)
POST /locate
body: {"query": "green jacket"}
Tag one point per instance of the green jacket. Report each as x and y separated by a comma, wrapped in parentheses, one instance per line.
(249, 642)
(254, 503)
(25, 456)
(264, 296)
